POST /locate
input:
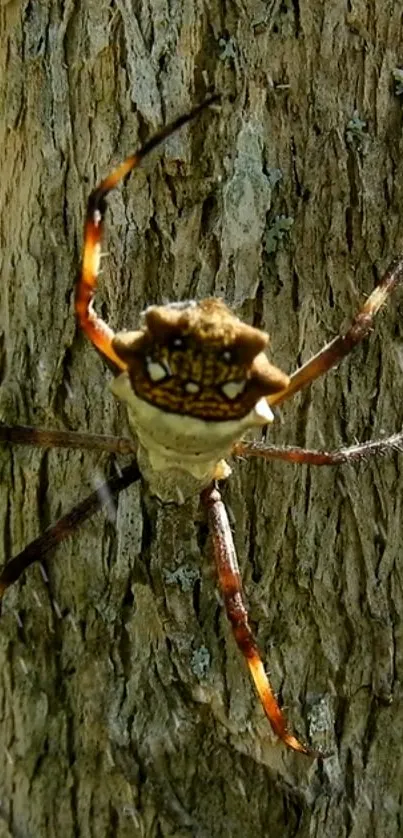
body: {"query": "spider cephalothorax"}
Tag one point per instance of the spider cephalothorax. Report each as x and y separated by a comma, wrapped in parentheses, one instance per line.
(198, 359)
(194, 378)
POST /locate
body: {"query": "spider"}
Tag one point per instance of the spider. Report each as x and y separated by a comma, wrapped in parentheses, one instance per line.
(194, 378)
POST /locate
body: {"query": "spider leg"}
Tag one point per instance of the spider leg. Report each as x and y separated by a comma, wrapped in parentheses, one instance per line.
(95, 328)
(41, 546)
(25, 435)
(352, 454)
(231, 587)
(338, 348)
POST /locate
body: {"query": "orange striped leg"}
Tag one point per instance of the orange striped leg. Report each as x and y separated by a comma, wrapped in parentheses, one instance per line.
(95, 328)
(231, 587)
(65, 526)
(338, 348)
(290, 454)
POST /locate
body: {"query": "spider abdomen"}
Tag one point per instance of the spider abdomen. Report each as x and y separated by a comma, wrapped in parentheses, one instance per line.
(179, 454)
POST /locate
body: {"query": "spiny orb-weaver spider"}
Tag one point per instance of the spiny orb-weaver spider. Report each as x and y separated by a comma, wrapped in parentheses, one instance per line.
(194, 378)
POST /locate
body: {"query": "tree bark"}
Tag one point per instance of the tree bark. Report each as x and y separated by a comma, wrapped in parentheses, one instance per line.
(126, 709)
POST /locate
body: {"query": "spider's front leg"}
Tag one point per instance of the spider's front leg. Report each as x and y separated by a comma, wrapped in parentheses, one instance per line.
(99, 333)
(231, 586)
(329, 357)
(334, 352)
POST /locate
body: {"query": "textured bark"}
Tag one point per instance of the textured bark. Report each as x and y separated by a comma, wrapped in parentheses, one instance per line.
(125, 706)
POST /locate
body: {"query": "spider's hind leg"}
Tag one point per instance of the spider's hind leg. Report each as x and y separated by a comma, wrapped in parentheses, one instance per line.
(26, 435)
(231, 588)
(359, 453)
(46, 542)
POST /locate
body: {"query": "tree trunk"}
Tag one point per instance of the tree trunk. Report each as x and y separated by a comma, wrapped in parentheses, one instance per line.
(126, 709)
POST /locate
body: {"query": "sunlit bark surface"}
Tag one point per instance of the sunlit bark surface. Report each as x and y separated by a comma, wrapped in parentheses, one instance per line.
(125, 707)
